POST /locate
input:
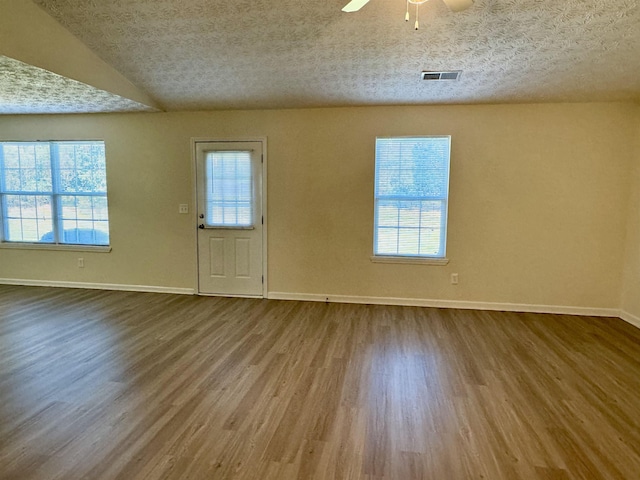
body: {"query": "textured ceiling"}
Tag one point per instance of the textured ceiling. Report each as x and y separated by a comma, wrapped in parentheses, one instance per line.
(213, 54)
(28, 89)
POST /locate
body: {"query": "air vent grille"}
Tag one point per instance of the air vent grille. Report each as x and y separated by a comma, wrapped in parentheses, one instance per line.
(440, 76)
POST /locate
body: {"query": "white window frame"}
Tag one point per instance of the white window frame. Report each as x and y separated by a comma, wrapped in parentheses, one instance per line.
(440, 259)
(55, 195)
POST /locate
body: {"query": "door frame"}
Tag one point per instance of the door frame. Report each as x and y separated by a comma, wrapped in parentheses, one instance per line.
(194, 200)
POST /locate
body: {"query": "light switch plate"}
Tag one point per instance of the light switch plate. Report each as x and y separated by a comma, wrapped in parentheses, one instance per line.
(183, 208)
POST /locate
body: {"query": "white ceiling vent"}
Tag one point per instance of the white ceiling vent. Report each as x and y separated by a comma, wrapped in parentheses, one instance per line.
(450, 75)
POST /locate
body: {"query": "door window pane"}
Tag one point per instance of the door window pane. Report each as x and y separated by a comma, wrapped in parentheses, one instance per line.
(229, 189)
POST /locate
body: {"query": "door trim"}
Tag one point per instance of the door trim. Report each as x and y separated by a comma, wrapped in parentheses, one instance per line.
(194, 202)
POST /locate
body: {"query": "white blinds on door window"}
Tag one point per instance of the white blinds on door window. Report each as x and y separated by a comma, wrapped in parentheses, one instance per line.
(411, 193)
(229, 189)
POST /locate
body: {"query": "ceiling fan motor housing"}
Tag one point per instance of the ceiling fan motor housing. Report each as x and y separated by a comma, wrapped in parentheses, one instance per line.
(458, 5)
(454, 5)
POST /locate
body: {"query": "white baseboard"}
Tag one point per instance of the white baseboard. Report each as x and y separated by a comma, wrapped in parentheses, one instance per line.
(313, 297)
(420, 302)
(97, 286)
(632, 319)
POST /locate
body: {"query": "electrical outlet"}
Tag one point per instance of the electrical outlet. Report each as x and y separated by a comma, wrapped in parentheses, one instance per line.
(81, 263)
(454, 279)
(183, 208)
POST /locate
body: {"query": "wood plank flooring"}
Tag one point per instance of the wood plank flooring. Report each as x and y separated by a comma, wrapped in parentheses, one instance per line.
(116, 385)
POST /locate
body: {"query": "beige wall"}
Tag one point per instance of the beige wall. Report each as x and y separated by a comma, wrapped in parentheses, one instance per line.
(538, 209)
(631, 290)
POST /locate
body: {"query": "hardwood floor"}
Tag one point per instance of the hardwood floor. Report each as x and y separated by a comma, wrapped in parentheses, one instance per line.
(116, 385)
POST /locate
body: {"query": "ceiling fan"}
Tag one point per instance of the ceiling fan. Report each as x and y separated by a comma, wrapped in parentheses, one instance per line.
(454, 6)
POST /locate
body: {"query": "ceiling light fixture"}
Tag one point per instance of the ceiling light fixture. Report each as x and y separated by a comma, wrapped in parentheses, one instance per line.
(454, 6)
(417, 3)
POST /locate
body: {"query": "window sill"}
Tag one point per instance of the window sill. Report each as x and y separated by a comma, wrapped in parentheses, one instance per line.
(411, 260)
(47, 246)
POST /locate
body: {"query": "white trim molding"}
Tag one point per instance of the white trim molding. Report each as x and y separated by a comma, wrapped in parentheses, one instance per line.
(629, 318)
(97, 286)
(55, 246)
(312, 297)
(465, 305)
(409, 260)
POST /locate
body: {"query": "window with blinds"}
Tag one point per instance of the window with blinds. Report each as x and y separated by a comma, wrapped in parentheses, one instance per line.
(229, 189)
(411, 196)
(54, 193)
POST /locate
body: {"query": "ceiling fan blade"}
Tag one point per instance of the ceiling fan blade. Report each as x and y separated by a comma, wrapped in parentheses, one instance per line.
(458, 5)
(354, 5)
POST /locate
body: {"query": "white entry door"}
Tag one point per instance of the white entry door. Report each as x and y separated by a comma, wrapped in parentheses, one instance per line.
(230, 218)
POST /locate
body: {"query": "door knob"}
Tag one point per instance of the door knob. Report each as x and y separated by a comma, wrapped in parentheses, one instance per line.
(201, 215)
(201, 226)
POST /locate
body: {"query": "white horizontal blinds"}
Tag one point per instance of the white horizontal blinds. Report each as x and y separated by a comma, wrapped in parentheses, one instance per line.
(81, 180)
(27, 192)
(229, 189)
(54, 192)
(412, 183)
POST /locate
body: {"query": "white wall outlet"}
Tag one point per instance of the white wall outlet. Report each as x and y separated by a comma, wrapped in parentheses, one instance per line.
(81, 262)
(183, 208)
(454, 279)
